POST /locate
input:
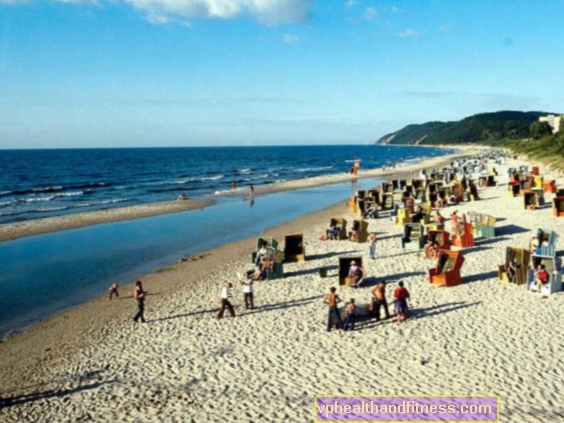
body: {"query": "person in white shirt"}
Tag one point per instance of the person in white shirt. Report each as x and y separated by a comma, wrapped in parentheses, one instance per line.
(248, 289)
(261, 254)
(225, 295)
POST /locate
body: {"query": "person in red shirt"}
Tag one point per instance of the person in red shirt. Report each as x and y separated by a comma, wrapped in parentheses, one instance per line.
(541, 277)
(401, 295)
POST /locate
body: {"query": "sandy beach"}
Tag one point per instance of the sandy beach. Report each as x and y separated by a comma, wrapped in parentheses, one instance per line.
(482, 337)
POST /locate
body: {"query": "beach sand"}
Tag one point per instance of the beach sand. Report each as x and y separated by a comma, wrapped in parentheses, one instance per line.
(482, 337)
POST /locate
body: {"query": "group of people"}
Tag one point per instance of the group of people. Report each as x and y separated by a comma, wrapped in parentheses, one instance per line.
(334, 319)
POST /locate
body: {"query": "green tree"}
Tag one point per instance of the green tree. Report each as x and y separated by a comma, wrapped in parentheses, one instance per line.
(540, 129)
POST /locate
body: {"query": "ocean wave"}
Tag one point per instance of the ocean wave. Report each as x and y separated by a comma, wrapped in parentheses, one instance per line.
(7, 203)
(244, 171)
(55, 189)
(314, 169)
(35, 199)
(212, 178)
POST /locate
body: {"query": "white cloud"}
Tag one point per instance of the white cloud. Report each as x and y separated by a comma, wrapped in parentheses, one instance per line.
(445, 28)
(370, 13)
(351, 3)
(267, 12)
(290, 38)
(410, 33)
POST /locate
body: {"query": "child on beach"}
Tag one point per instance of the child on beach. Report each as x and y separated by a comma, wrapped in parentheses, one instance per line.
(401, 295)
(113, 290)
(351, 314)
(331, 300)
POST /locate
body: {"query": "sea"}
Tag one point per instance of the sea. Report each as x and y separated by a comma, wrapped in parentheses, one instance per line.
(44, 183)
(46, 274)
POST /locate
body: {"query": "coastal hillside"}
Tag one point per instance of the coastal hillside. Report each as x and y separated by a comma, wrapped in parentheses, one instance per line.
(482, 127)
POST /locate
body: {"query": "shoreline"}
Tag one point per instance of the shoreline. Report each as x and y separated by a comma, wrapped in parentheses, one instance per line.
(16, 230)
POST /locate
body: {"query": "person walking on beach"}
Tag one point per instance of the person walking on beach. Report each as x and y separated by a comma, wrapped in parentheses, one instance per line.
(331, 300)
(225, 295)
(351, 315)
(372, 245)
(379, 300)
(113, 290)
(248, 289)
(139, 295)
(251, 190)
(401, 295)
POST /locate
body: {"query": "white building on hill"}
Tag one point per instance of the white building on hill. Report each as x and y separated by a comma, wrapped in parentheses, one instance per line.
(554, 121)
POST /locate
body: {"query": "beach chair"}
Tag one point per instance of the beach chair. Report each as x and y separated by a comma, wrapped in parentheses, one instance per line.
(558, 206)
(527, 184)
(522, 257)
(548, 243)
(277, 271)
(395, 185)
(484, 226)
(530, 201)
(539, 192)
(473, 193)
(360, 207)
(441, 237)
(483, 181)
(344, 266)
(491, 180)
(375, 194)
(387, 201)
(341, 225)
(554, 283)
(549, 186)
(514, 189)
(360, 227)
(387, 187)
(413, 237)
(402, 184)
(431, 186)
(432, 198)
(458, 192)
(447, 270)
(433, 226)
(417, 183)
(420, 196)
(464, 238)
(294, 248)
(403, 216)
(266, 241)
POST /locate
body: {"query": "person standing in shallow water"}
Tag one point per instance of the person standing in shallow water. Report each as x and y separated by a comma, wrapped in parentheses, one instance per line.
(139, 295)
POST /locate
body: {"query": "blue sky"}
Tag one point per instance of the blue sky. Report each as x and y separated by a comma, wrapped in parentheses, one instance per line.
(97, 73)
